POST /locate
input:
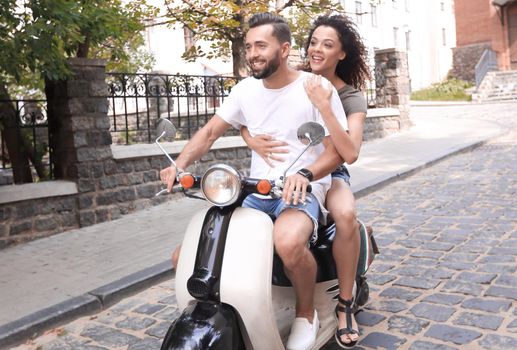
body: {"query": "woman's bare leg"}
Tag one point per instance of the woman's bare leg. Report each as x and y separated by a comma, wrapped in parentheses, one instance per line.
(341, 205)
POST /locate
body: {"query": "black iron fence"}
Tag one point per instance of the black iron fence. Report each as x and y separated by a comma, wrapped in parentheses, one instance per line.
(136, 101)
(24, 141)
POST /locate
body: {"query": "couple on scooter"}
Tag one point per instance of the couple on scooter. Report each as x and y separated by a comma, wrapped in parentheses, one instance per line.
(275, 102)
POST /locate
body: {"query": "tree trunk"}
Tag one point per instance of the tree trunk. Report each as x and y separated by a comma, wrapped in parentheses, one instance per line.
(13, 140)
(240, 67)
(84, 47)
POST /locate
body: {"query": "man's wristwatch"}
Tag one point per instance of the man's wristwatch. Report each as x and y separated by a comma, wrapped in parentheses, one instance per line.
(306, 173)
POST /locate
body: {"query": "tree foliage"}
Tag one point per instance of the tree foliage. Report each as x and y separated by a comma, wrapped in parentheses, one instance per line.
(222, 23)
(38, 36)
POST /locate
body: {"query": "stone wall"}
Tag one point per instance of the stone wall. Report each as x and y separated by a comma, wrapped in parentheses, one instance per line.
(392, 87)
(381, 122)
(112, 189)
(465, 59)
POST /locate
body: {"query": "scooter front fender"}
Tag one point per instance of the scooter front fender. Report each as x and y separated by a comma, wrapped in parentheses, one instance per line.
(205, 326)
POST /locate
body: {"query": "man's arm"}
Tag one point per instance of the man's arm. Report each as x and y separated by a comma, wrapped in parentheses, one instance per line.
(197, 146)
(327, 162)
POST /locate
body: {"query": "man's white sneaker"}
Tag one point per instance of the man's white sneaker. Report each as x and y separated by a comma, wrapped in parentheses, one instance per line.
(303, 333)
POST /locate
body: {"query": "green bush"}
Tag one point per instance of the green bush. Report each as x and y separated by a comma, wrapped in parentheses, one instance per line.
(448, 90)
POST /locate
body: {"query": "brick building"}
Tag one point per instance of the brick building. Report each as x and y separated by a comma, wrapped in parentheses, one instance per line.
(484, 25)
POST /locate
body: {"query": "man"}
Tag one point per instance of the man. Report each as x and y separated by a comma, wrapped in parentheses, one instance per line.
(274, 102)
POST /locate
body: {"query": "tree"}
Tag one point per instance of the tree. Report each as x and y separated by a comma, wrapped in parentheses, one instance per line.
(222, 23)
(38, 36)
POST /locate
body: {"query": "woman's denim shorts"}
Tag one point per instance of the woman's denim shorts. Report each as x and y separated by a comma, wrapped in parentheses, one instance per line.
(341, 172)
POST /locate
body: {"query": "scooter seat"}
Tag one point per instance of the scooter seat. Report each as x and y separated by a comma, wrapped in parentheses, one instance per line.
(322, 251)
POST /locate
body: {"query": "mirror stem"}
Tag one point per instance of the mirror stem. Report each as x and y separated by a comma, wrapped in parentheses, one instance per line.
(306, 148)
(163, 150)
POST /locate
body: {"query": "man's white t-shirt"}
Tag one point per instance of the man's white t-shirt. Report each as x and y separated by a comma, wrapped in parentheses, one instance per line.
(279, 113)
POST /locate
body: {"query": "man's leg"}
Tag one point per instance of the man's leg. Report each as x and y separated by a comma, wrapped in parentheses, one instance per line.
(291, 233)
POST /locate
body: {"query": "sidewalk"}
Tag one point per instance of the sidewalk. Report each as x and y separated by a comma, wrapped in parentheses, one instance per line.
(54, 279)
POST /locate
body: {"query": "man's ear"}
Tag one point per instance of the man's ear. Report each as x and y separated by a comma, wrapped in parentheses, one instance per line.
(286, 49)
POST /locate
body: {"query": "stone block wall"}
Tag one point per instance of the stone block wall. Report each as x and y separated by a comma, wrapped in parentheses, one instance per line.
(392, 86)
(465, 59)
(109, 190)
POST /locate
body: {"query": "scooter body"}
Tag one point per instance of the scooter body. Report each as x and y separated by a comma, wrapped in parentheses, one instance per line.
(235, 246)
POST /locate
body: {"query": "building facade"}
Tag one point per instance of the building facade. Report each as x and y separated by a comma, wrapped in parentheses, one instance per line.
(485, 25)
(424, 29)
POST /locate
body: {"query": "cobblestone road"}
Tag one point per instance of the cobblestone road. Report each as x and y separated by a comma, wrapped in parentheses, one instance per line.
(446, 278)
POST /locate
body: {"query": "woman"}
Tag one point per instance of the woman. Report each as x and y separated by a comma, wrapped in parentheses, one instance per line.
(336, 52)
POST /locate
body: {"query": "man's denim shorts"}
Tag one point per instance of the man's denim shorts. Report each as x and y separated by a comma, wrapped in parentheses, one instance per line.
(274, 207)
(341, 172)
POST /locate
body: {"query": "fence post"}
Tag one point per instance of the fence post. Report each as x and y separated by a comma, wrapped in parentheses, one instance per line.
(392, 82)
(79, 129)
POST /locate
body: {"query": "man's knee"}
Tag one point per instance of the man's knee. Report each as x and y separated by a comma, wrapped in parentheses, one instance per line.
(291, 234)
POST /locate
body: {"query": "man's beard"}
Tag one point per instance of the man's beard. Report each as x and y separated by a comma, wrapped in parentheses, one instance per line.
(270, 68)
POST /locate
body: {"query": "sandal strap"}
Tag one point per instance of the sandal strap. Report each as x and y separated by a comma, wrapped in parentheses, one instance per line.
(345, 302)
(346, 331)
(347, 309)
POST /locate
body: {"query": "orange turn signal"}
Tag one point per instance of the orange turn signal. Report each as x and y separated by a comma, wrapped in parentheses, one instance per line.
(187, 181)
(264, 187)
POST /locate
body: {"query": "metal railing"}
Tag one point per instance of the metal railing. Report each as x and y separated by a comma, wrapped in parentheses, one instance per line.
(25, 121)
(487, 62)
(136, 101)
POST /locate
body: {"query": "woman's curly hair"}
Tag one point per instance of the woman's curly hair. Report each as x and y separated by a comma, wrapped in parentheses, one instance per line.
(353, 69)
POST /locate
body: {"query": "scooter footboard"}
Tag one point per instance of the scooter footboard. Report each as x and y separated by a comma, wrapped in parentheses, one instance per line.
(205, 326)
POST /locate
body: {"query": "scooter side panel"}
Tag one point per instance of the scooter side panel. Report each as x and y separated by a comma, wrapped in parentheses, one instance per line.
(187, 258)
(246, 276)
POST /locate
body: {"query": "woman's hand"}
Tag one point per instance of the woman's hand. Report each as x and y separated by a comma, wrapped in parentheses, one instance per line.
(265, 146)
(318, 94)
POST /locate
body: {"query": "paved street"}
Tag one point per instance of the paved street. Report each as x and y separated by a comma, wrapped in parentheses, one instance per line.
(446, 277)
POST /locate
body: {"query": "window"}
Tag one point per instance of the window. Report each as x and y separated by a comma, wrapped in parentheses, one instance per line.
(358, 12)
(395, 36)
(188, 35)
(408, 43)
(373, 13)
(442, 6)
(444, 37)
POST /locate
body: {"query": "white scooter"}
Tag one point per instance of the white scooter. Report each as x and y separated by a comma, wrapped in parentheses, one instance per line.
(230, 284)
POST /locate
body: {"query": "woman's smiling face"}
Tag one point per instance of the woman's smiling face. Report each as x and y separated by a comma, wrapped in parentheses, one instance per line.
(324, 50)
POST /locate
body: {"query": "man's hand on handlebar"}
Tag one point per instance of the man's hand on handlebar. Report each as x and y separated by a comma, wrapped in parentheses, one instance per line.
(168, 177)
(295, 189)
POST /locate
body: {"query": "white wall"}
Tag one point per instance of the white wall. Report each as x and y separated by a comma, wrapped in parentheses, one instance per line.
(167, 44)
(429, 61)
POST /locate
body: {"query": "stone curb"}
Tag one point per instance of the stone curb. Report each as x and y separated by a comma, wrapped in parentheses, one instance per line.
(102, 297)
(88, 303)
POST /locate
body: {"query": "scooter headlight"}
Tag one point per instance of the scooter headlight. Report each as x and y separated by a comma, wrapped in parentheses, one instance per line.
(221, 185)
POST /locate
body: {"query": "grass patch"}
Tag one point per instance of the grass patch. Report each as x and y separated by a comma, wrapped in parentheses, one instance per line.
(448, 90)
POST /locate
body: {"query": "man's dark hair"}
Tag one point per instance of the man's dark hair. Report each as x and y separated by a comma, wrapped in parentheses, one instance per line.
(281, 29)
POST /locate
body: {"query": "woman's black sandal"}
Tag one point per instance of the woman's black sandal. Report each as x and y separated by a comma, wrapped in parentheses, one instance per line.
(348, 330)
